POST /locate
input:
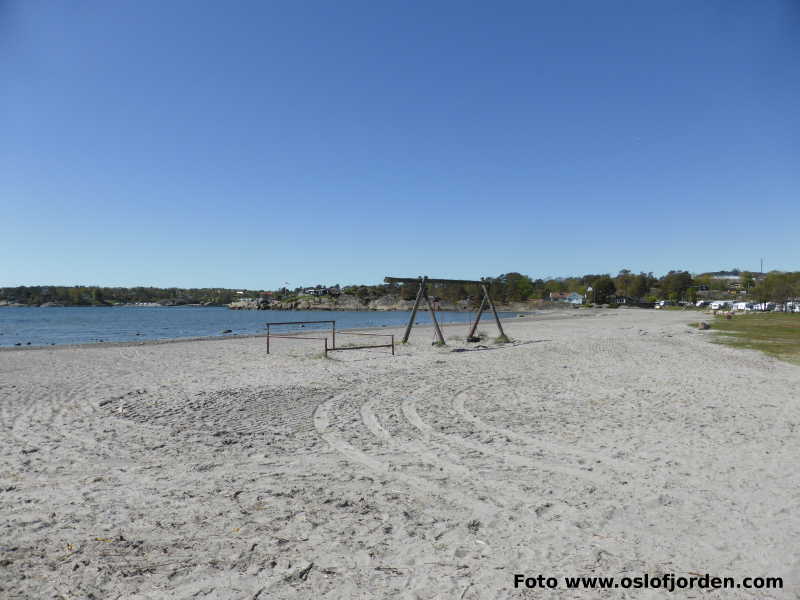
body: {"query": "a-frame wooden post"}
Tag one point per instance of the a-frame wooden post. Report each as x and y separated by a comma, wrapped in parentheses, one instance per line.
(487, 299)
(422, 293)
(414, 310)
(439, 336)
(494, 312)
(471, 335)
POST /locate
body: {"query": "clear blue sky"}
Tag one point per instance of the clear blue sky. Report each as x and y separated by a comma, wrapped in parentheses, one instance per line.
(248, 144)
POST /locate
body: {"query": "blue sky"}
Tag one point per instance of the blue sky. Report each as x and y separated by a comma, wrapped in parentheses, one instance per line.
(248, 144)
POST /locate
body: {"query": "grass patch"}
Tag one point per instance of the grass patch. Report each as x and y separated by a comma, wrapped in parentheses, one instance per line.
(775, 334)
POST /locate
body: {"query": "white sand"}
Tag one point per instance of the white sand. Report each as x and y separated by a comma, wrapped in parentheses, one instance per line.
(612, 443)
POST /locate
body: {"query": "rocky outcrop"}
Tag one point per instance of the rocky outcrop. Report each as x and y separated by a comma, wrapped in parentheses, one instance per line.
(343, 302)
(11, 303)
(249, 304)
(350, 302)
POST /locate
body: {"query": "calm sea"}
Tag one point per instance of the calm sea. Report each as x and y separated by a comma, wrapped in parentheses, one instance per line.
(55, 326)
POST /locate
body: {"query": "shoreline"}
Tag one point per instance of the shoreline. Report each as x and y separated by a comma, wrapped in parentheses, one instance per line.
(551, 315)
(500, 308)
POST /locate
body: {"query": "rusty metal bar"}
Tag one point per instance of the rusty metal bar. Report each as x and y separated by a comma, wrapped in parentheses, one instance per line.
(271, 335)
(362, 347)
(299, 322)
(389, 335)
(297, 337)
(327, 348)
(359, 333)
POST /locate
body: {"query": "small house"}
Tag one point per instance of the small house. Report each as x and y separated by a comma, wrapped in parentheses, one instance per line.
(568, 297)
(315, 291)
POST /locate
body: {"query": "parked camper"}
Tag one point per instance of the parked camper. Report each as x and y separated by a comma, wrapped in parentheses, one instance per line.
(764, 306)
(721, 304)
(743, 306)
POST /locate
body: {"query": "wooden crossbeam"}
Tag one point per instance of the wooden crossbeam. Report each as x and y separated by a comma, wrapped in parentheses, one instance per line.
(428, 280)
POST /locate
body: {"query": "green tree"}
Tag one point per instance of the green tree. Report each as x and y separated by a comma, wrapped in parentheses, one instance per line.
(518, 287)
(747, 280)
(602, 290)
(675, 283)
(74, 296)
(624, 282)
(640, 286)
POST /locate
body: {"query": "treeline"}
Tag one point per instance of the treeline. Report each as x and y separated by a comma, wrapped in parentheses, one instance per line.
(516, 287)
(80, 295)
(774, 287)
(677, 285)
(600, 288)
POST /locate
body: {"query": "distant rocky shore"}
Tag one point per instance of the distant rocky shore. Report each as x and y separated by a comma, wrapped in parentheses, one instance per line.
(343, 302)
(351, 303)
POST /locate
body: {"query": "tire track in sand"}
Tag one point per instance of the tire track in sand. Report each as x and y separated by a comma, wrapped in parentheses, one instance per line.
(371, 421)
(607, 463)
(498, 503)
(582, 523)
(602, 482)
(410, 412)
(508, 496)
(323, 425)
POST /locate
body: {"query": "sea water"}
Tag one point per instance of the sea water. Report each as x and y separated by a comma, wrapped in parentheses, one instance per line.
(77, 325)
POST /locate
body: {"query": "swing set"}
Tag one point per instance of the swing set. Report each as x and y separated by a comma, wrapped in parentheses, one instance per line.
(422, 294)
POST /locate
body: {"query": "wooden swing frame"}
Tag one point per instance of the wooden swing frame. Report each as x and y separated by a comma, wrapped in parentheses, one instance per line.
(422, 294)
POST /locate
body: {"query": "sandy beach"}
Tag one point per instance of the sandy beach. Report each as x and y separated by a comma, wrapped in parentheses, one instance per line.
(607, 442)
